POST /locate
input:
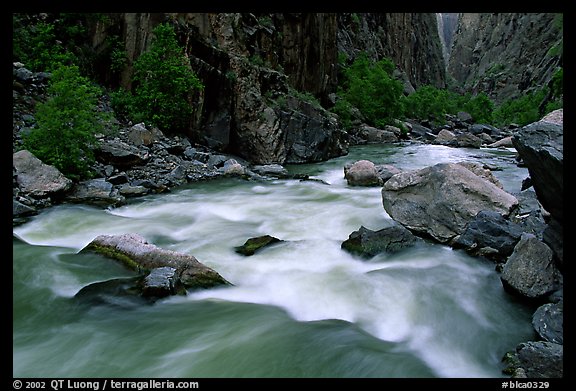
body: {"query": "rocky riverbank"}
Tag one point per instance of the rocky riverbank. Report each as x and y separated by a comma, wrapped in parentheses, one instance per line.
(464, 206)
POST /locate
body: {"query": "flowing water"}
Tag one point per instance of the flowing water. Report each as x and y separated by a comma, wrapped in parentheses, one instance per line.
(300, 308)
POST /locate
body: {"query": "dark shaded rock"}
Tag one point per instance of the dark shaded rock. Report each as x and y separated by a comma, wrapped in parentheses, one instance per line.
(530, 271)
(548, 321)
(136, 253)
(536, 360)
(541, 147)
(477, 129)
(467, 140)
(36, 178)
(553, 236)
(118, 292)
(419, 131)
(95, 192)
(161, 282)
(120, 154)
(21, 210)
(367, 243)
(254, 244)
(440, 200)
(490, 229)
(118, 179)
(386, 171)
(362, 173)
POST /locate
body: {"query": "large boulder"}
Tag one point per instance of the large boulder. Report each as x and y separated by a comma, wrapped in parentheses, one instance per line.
(120, 154)
(530, 271)
(36, 178)
(541, 147)
(137, 254)
(440, 200)
(373, 135)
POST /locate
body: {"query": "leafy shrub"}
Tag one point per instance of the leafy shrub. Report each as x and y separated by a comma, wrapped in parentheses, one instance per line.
(66, 124)
(369, 86)
(480, 107)
(521, 111)
(163, 83)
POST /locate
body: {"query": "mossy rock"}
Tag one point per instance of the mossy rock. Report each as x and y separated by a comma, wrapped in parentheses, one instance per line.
(254, 244)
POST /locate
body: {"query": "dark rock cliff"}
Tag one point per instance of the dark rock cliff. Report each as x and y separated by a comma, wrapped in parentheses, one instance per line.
(506, 54)
(411, 40)
(256, 67)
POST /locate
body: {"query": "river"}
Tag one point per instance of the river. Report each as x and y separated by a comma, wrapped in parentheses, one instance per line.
(301, 308)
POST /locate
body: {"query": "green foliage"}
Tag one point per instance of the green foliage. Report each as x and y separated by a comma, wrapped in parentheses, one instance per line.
(118, 55)
(521, 111)
(66, 124)
(36, 46)
(431, 103)
(164, 83)
(257, 60)
(480, 107)
(344, 111)
(557, 83)
(369, 86)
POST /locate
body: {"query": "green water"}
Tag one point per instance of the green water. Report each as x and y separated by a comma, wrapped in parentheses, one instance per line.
(302, 308)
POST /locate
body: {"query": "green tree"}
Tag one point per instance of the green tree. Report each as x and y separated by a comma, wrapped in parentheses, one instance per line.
(164, 83)
(66, 124)
(370, 87)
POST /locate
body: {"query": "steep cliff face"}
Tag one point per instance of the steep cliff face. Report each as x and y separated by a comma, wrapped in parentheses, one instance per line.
(411, 40)
(507, 54)
(447, 23)
(255, 67)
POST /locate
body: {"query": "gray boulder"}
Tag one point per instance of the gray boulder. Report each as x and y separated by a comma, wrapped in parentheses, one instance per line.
(548, 321)
(445, 137)
(36, 178)
(468, 140)
(440, 200)
(367, 243)
(373, 135)
(137, 254)
(161, 282)
(530, 271)
(272, 170)
(362, 173)
(139, 135)
(541, 147)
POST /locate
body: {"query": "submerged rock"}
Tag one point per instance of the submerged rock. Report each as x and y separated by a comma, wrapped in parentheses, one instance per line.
(368, 243)
(137, 254)
(254, 244)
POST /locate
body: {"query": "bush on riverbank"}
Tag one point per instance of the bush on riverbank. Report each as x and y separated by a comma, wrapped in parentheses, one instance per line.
(66, 124)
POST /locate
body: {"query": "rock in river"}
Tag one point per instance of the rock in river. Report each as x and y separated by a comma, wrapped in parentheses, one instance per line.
(137, 254)
(440, 200)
